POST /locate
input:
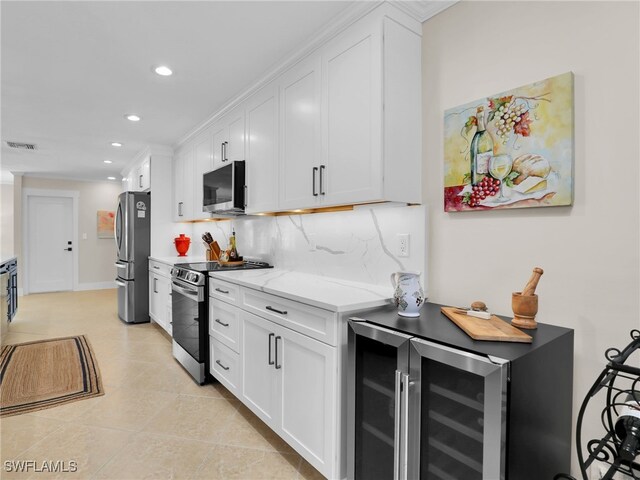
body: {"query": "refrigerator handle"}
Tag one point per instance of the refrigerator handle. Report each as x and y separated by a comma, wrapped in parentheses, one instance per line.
(116, 234)
(396, 426)
(404, 427)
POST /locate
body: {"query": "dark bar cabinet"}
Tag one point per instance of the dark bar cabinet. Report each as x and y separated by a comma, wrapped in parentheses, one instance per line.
(428, 402)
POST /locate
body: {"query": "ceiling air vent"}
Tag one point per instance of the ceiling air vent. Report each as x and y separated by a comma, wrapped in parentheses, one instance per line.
(22, 146)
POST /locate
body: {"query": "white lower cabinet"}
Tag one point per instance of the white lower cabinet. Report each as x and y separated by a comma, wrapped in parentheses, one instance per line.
(160, 295)
(289, 380)
(225, 365)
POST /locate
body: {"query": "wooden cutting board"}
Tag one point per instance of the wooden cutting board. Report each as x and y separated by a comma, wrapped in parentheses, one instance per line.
(494, 329)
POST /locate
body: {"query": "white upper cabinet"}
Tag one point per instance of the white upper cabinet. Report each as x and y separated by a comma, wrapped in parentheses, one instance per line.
(300, 137)
(262, 144)
(203, 163)
(229, 138)
(343, 126)
(183, 180)
(144, 175)
(351, 167)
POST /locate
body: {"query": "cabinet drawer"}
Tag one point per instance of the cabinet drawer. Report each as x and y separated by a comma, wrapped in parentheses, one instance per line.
(312, 321)
(160, 268)
(225, 365)
(224, 323)
(225, 291)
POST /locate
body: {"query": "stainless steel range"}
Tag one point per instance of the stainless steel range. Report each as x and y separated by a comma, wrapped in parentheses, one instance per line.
(190, 305)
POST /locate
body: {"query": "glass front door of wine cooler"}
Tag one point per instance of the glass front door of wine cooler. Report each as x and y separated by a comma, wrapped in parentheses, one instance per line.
(457, 414)
(378, 370)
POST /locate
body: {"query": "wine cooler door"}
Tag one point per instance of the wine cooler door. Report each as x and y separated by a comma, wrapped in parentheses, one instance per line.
(377, 378)
(457, 414)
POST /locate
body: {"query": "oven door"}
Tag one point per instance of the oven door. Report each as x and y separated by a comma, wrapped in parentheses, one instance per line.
(189, 315)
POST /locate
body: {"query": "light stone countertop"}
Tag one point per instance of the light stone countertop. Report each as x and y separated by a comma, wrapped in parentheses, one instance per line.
(331, 294)
(176, 259)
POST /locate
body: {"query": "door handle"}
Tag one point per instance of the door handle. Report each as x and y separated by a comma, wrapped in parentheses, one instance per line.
(271, 335)
(155, 285)
(218, 362)
(404, 426)
(313, 180)
(281, 312)
(140, 181)
(396, 426)
(278, 366)
(322, 167)
(221, 322)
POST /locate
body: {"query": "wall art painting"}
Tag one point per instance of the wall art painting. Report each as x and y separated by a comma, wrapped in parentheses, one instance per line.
(105, 224)
(511, 150)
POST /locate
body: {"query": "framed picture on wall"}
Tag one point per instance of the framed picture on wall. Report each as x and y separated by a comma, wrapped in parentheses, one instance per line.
(105, 223)
(513, 149)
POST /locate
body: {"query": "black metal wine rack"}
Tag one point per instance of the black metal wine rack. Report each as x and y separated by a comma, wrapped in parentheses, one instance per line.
(616, 382)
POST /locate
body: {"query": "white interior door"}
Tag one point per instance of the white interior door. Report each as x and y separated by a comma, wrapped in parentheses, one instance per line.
(49, 230)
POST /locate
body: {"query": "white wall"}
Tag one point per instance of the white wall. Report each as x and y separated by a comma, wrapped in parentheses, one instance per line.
(96, 256)
(590, 251)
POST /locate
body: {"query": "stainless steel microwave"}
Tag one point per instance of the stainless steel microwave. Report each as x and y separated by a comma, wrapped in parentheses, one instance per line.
(224, 189)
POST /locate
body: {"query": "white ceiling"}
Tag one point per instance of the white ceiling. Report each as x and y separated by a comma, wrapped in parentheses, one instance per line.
(71, 70)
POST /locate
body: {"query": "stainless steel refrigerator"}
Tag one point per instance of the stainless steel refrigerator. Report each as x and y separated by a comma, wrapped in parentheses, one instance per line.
(132, 234)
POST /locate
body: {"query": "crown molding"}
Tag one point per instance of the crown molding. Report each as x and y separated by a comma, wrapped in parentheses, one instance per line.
(338, 23)
(423, 10)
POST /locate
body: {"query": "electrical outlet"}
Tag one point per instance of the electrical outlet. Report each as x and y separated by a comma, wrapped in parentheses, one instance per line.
(403, 244)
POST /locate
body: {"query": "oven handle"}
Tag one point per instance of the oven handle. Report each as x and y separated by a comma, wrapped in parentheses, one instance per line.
(192, 294)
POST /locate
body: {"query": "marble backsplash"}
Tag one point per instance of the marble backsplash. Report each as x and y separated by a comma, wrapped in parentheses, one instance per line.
(359, 245)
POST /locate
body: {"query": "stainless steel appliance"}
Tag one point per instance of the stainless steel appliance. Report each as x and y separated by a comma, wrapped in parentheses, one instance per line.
(190, 311)
(427, 402)
(224, 189)
(132, 233)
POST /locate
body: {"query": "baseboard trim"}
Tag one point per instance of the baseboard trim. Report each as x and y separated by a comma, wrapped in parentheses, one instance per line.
(96, 285)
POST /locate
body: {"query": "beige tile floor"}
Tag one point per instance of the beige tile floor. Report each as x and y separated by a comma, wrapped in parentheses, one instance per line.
(153, 422)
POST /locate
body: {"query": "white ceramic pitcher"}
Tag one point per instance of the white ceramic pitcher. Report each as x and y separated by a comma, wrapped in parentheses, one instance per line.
(408, 294)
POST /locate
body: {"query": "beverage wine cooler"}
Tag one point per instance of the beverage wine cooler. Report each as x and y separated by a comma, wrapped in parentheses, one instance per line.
(419, 409)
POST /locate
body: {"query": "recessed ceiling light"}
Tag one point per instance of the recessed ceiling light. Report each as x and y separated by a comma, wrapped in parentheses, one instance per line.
(116, 144)
(107, 161)
(133, 117)
(163, 70)
(111, 178)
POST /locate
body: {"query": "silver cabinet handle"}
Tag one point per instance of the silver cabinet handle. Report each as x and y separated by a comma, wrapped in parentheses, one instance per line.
(281, 312)
(271, 335)
(140, 181)
(314, 171)
(396, 427)
(156, 267)
(155, 285)
(222, 291)
(322, 167)
(246, 202)
(221, 322)
(180, 209)
(278, 366)
(218, 362)
(224, 151)
(404, 427)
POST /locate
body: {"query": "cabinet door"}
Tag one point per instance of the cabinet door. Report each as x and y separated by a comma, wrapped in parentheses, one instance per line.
(260, 389)
(144, 175)
(220, 138)
(183, 185)
(262, 151)
(203, 163)
(308, 397)
(158, 293)
(300, 135)
(235, 146)
(153, 303)
(352, 113)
